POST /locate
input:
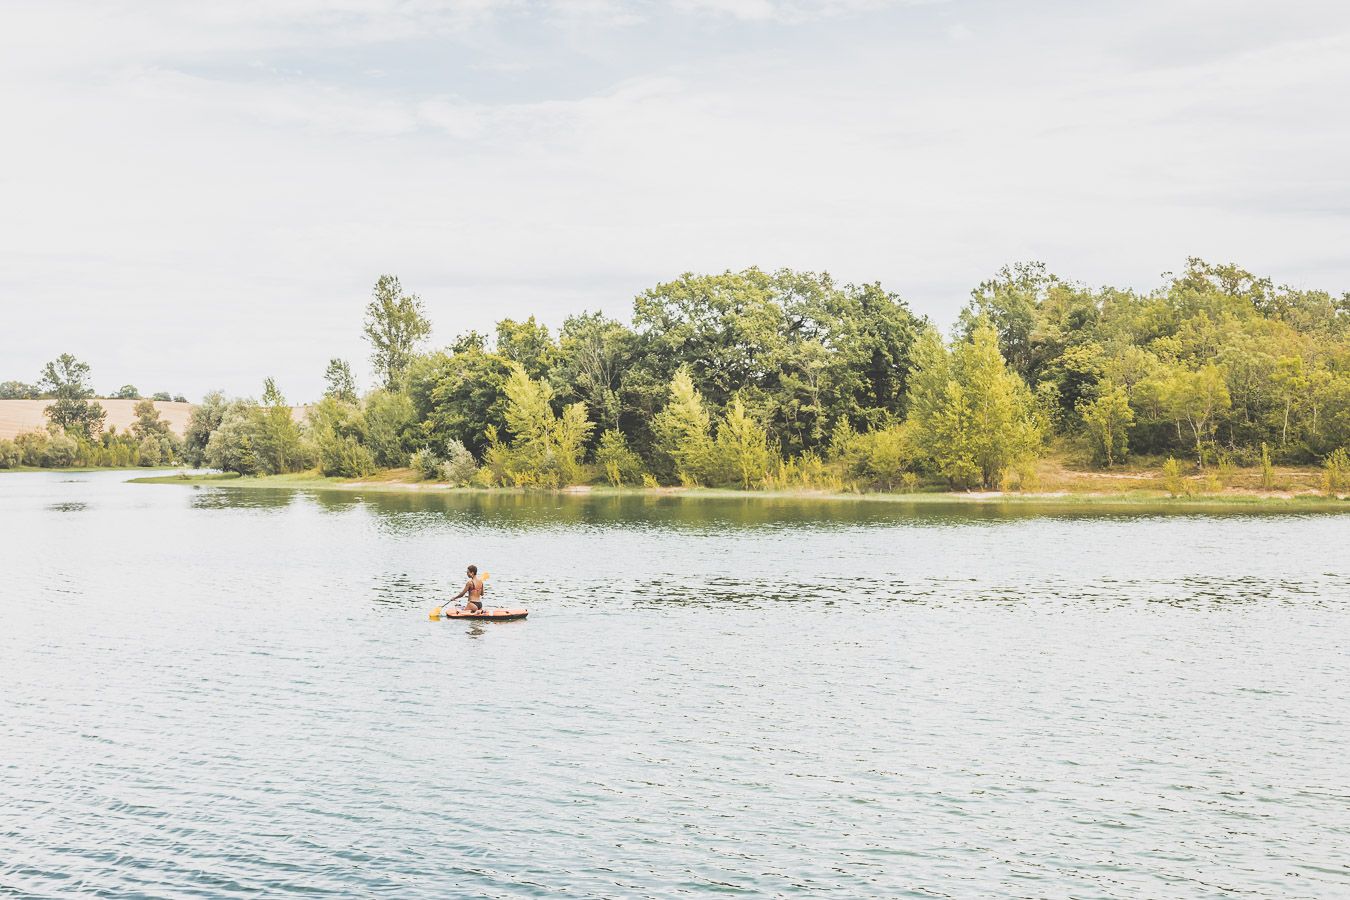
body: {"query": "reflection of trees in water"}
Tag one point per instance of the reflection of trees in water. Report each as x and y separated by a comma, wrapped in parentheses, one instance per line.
(249, 498)
(515, 511)
(400, 512)
(334, 501)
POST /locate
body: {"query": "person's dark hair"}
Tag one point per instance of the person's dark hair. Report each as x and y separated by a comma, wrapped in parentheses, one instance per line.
(473, 570)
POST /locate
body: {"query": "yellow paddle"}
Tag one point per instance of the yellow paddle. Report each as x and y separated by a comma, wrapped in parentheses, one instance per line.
(436, 613)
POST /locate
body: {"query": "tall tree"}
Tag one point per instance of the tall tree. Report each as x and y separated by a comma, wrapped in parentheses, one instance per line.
(338, 381)
(395, 324)
(67, 380)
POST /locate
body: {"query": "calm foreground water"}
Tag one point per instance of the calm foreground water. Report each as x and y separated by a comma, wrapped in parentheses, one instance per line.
(218, 692)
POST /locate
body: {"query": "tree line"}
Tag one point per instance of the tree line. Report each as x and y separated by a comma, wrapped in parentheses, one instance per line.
(755, 379)
(75, 435)
(22, 390)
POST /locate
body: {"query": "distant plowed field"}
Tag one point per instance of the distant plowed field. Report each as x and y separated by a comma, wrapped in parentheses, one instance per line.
(18, 416)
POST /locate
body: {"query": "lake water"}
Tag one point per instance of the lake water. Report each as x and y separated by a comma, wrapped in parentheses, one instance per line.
(220, 692)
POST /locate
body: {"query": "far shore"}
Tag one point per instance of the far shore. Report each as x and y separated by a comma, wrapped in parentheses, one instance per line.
(407, 481)
(21, 416)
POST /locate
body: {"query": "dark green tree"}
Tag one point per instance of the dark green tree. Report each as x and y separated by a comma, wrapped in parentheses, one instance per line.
(457, 395)
(67, 380)
(202, 423)
(528, 344)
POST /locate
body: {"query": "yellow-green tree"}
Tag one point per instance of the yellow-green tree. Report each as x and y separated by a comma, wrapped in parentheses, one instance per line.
(742, 447)
(973, 418)
(620, 464)
(1108, 419)
(546, 449)
(683, 430)
(1196, 399)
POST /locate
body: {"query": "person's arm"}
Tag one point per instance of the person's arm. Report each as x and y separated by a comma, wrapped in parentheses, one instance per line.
(461, 593)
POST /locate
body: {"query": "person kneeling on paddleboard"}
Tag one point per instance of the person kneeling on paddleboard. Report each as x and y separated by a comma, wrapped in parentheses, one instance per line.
(473, 589)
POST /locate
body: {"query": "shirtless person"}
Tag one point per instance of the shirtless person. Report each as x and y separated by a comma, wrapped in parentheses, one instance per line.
(473, 589)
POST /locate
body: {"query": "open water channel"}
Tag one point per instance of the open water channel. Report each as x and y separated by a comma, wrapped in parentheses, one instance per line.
(225, 692)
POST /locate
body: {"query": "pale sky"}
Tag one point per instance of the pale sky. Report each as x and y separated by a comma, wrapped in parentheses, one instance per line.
(198, 195)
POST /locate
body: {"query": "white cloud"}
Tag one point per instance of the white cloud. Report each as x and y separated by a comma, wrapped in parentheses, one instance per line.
(203, 195)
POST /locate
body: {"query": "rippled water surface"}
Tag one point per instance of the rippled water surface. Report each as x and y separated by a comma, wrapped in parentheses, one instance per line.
(216, 692)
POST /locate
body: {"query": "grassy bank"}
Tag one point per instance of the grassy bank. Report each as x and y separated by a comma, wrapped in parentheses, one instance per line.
(1294, 489)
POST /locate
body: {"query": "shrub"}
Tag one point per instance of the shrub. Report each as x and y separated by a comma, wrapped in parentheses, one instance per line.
(618, 461)
(1336, 470)
(334, 430)
(459, 466)
(389, 427)
(1267, 470)
(427, 464)
(1172, 477)
(458, 469)
(887, 454)
(62, 451)
(807, 471)
(148, 451)
(11, 457)
(1225, 472)
(230, 447)
(33, 447)
(344, 457)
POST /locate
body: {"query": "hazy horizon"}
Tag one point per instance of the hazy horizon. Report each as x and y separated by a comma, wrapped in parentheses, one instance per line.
(201, 197)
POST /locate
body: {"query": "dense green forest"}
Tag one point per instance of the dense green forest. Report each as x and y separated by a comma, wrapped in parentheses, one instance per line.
(756, 379)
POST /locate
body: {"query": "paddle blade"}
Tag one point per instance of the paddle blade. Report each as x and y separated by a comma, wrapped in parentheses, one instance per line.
(435, 613)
